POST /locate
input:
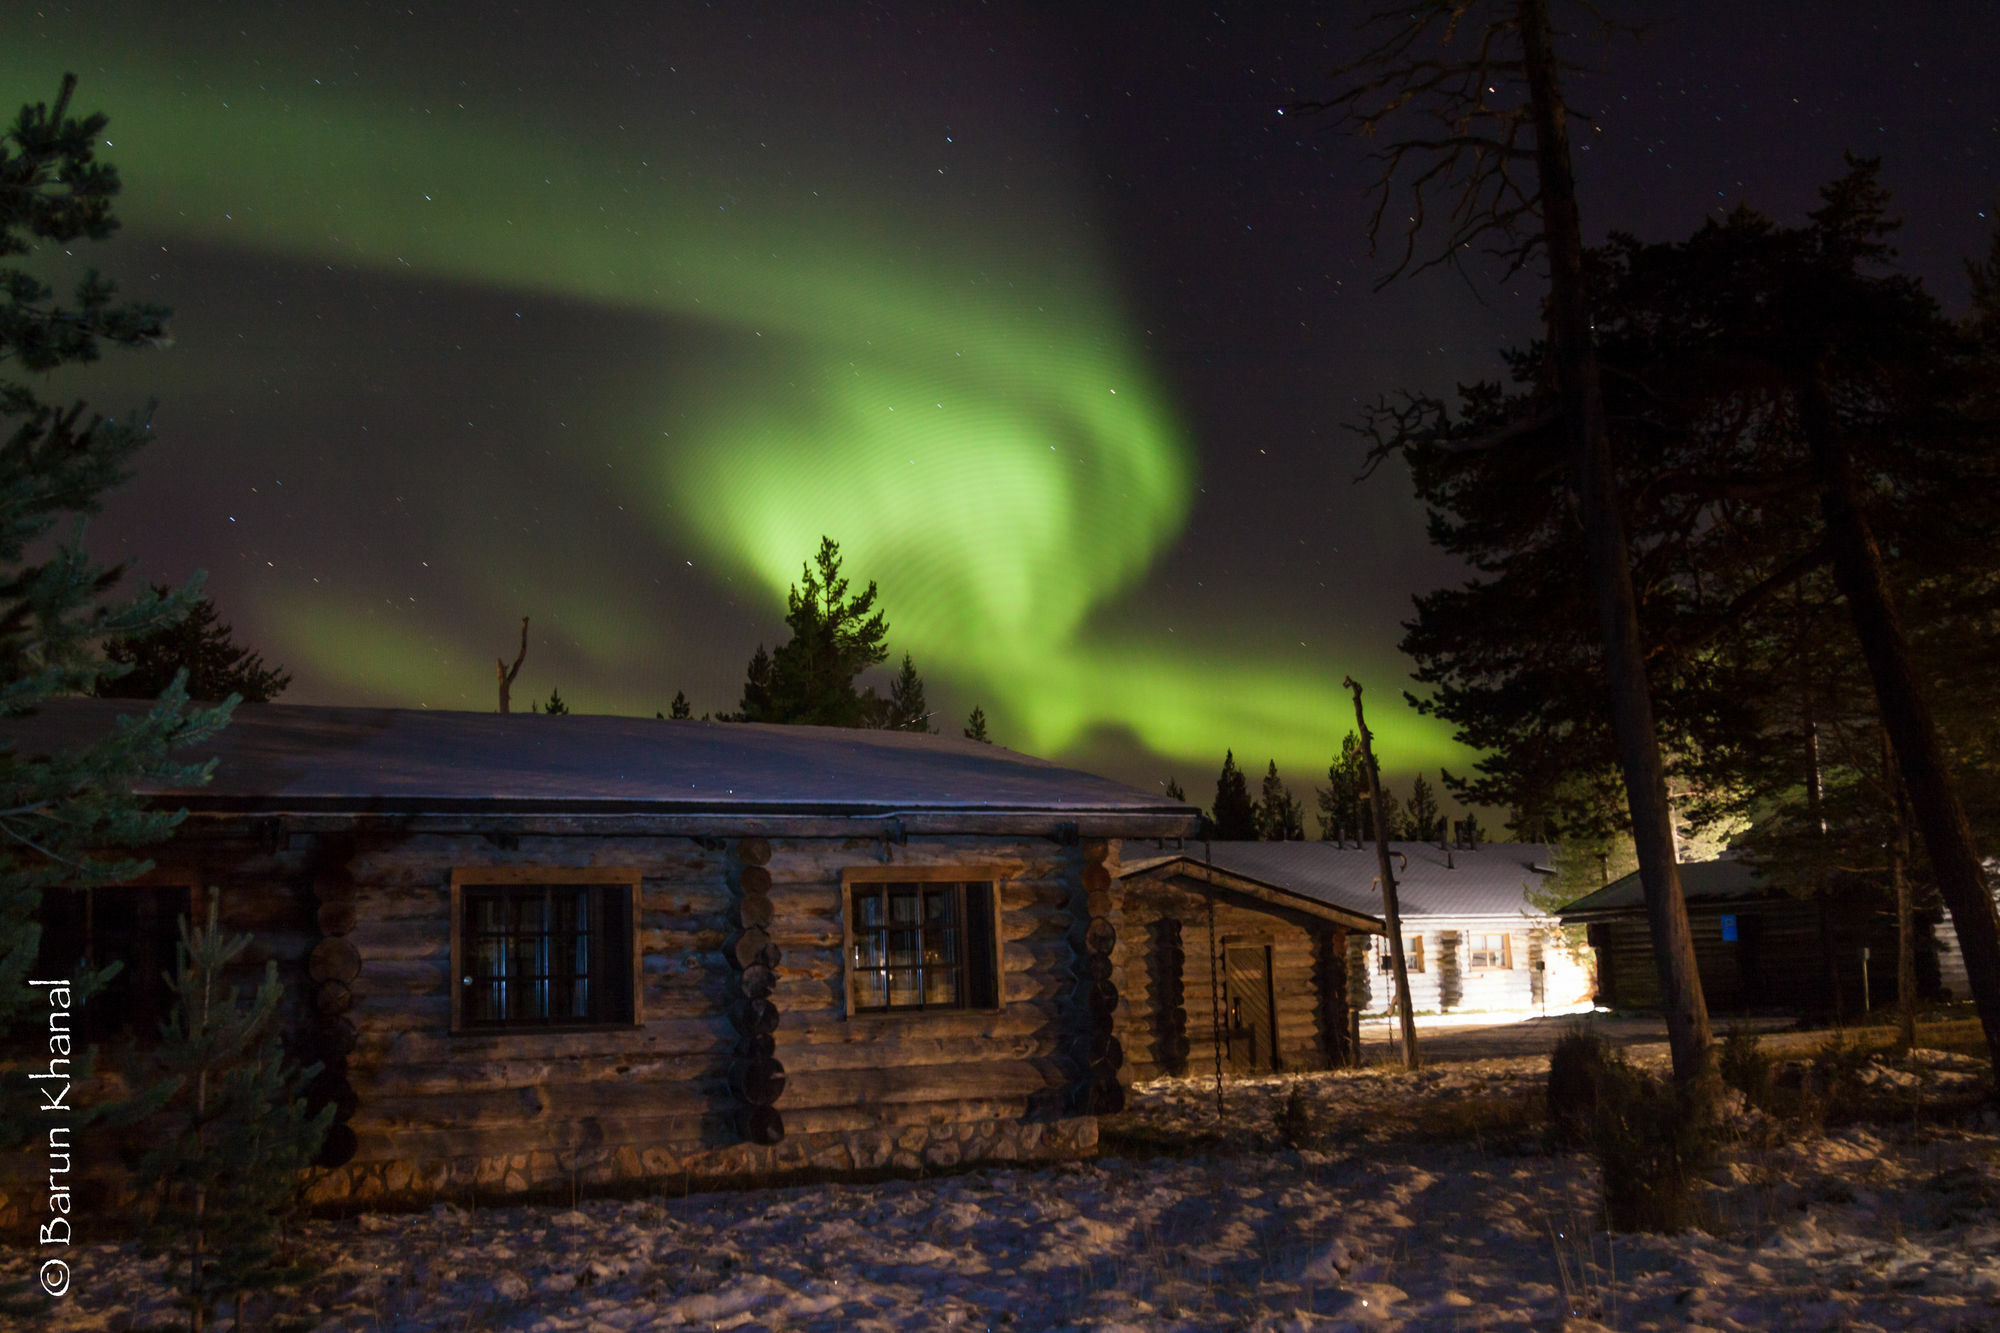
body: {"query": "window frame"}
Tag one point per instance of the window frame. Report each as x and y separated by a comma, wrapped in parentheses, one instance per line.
(188, 880)
(993, 876)
(480, 877)
(1413, 954)
(1473, 953)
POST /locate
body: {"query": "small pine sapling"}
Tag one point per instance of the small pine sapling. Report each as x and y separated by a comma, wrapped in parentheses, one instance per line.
(233, 1134)
(975, 726)
(557, 706)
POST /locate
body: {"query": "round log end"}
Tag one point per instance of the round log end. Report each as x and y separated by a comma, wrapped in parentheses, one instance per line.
(336, 918)
(1096, 879)
(1100, 936)
(755, 879)
(338, 1148)
(763, 1125)
(1095, 850)
(333, 997)
(753, 851)
(334, 960)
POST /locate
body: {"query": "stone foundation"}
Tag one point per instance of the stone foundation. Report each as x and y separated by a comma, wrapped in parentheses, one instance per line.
(905, 1150)
(909, 1149)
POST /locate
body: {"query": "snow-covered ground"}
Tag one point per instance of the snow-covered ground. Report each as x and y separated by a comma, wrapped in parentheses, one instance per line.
(1889, 1228)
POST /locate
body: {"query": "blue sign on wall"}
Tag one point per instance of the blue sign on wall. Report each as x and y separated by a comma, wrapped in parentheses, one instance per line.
(1728, 928)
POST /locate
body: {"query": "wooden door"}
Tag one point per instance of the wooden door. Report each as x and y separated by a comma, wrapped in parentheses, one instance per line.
(1248, 1031)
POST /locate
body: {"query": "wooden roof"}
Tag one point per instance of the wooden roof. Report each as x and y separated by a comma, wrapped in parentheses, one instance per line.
(284, 758)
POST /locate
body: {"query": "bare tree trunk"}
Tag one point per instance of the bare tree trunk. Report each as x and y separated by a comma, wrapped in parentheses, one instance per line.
(1816, 819)
(1575, 356)
(1858, 571)
(507, 674)
(1906, 925)
(1391, 913)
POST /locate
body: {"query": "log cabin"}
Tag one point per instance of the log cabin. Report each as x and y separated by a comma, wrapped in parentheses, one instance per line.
(1760, 949)
(1222, 968)
(541, 954)
(1297, 950)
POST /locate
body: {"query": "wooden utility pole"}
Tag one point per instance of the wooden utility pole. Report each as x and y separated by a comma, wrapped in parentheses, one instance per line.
(507, 673)
(1391, 916)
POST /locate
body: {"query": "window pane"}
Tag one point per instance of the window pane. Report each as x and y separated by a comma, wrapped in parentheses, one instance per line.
(941, 986)
(904, 988)
(546, 953)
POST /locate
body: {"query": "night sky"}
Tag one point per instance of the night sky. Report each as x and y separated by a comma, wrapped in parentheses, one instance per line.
(603, 314)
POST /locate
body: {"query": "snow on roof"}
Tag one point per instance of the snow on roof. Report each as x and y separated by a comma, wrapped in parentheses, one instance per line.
(304, 758)
(1431, 881)
(1725, 879)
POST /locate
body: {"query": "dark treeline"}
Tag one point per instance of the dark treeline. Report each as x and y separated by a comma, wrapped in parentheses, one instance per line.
(1275, 815)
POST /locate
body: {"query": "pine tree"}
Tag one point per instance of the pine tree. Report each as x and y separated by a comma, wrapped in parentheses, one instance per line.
(680, 710)
(1174, 792)
(1234, 815)
(1280, 818)
(199, 645)
(975, 726)
(232, 1134)
(907, 709)
(835, 637)
(1423, 820)
(67, 816)
(1341, 813)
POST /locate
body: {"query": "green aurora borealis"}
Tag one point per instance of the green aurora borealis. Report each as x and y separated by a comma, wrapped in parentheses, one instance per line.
(960, 399)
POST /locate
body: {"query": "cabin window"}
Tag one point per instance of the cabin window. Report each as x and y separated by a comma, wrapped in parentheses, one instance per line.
(921, 944)
(1491, 951)
(137, 926)
(537, 948)
(1413, 954)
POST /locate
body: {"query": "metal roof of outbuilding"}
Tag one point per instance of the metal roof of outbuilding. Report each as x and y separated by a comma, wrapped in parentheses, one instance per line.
(1431, 881)
(297, 758)
(1724, 880)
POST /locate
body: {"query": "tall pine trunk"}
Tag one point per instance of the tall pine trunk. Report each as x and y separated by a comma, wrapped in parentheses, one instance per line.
(1858, 572)
(1571, 344)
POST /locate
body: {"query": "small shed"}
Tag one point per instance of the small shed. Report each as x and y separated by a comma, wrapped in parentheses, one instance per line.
(1221, 966)
(536, 953)
(1758, 947)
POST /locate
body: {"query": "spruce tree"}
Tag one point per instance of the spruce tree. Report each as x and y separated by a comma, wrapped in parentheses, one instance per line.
(810, 678)
(68, 816)
(232, 1134)
(975, 726)
(680, 710)
(1423, 819)
(1174, 792)
(201, 646)
(757, 704)
(1280, 818)
(1341, 812)
(1234, 816)
(907, 709)
(557, 706)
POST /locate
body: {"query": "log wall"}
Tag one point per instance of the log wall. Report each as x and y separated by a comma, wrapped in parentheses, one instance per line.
(1169, 1026)
(429, 1112)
